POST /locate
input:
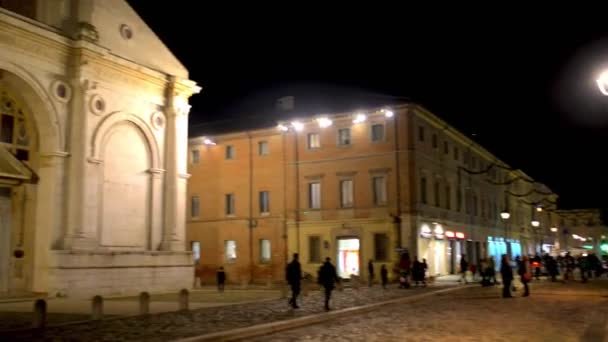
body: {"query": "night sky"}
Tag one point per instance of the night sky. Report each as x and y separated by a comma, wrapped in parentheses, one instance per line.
(523, 82)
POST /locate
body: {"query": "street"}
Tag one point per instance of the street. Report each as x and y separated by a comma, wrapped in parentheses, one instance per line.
(553, 312)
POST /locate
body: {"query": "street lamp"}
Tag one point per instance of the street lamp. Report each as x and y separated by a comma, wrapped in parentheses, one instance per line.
(505, 215)
(602, 83)
(535, 223)
(553, 229)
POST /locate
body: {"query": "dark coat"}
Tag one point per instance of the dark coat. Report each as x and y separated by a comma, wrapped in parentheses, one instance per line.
(328, 276)
(221, 276)
(506, 271)
(293, 274)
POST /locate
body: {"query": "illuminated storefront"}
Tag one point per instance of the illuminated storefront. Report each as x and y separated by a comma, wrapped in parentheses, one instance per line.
(432, 247)
(348, 257)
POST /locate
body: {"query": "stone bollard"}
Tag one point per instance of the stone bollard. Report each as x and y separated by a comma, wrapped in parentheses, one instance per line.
(39, 321)
(97, 308)
(183, 299)
(144, 303)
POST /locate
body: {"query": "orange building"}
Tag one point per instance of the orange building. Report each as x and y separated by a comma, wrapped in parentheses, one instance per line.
(354, 187)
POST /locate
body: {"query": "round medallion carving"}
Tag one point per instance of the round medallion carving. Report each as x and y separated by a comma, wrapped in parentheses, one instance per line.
(97, 105)
(61, 91)
(126, 32)
(158, 120)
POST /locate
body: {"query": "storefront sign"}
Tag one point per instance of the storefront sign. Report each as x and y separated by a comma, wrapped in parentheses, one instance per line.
(450, 234)
(459, 235)
(425, 232)
(438, 232)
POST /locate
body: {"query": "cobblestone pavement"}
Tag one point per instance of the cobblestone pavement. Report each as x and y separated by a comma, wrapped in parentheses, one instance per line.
(553, 312)
(173, 325)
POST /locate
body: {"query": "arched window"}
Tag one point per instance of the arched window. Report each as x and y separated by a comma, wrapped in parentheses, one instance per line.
(14, 133)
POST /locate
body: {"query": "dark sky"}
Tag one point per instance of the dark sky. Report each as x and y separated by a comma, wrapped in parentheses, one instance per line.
(522, 81)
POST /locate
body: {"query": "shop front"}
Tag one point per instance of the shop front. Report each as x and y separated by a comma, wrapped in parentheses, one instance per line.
(456, 248)
(432, 247)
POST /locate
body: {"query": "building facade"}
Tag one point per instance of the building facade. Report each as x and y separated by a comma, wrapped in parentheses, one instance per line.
(93, 151)
(581, 231)
(356, 187)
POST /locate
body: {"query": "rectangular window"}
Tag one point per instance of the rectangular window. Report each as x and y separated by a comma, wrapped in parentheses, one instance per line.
(229, 152)
(314, 249)
(314, 195)
(446, 147)
(423, 190)
(379, 186)
(436, 194)
(377, 132)
(263, 149)
(195, 203)
(381, 246)
(196, 156)
(264, 202)
(344, 136)
(456, 157)
(474, 205)
(483, 208)
(434, 140)
(265, 251)
(420, 133)
(314, 140)
(229, 204)
(195, 247)
(230, 250)
(346, 193)
(448, 197)
(458, 200)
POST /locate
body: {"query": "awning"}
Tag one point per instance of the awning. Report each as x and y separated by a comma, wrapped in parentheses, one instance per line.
(13, 171)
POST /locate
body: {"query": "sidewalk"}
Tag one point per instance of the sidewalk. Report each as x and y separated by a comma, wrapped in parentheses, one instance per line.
(176, 325)
(17, 313)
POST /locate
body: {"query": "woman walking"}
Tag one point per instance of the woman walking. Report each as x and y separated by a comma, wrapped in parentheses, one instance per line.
(526, 274)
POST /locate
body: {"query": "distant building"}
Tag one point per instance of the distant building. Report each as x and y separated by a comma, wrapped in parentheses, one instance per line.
(581, 231)
(356, 186)
(94, 112)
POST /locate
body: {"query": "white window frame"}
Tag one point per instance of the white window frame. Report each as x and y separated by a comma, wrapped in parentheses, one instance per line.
(347, 193)
(371, 132)
(309, 141)
(264, 202)
(314, 197)
(195, 207)
(381, 198)
(265, 251)
(263, 148)
(350, 137)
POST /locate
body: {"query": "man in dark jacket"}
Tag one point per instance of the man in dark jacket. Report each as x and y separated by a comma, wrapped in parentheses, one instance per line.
(464, 265)
(328, 278)
(294, 277)
(507, 276)
(370, 272)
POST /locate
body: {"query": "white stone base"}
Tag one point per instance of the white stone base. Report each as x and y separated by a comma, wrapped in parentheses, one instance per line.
(85, 274)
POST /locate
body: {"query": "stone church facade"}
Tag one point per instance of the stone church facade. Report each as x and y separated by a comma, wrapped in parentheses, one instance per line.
(93, 142)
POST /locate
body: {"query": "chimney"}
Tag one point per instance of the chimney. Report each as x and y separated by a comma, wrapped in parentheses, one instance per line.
(285, 103)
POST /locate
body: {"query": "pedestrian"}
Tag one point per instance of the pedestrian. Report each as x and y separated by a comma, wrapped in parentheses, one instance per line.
(294, 277)
(328, 278)
(416, 270)
(464, 266)
(507, 276)
(384, 276)
(425, 268)
(221, 279)
(370, 270)
(536, 262)
(525, 274)
(405, 266)
(491, 271)
(551, 265)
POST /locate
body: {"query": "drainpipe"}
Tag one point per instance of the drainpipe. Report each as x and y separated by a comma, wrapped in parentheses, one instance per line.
(297, 216)
(251, 225)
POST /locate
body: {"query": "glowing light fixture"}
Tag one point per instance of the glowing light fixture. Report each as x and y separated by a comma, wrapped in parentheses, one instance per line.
(359, 118)
(297, 125)
(388, 113)
(539, 208)
(574, 236)
(324, 122)
(505, 215)
(209, 142)
(282, 128)
(535, 223)
(553, 229)
(602, 83)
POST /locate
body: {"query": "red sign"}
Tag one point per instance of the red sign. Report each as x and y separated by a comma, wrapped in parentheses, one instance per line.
(459, 235)
(449, 234)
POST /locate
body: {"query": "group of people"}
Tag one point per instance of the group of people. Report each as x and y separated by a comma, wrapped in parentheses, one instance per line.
(327, 277)
(416, 269)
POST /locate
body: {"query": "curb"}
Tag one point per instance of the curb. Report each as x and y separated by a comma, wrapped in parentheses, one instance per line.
(268, 328)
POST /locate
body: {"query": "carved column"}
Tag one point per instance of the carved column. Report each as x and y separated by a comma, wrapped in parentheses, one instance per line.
(176, 138)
